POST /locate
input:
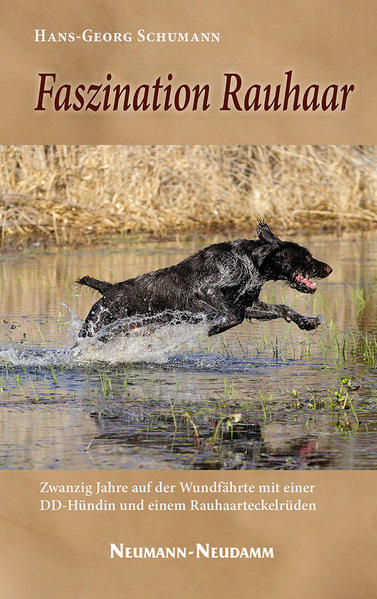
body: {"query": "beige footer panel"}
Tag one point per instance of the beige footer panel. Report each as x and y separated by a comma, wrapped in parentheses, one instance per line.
(188, 534)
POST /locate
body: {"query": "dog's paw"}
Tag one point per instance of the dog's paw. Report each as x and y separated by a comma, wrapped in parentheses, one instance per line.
(308, 323)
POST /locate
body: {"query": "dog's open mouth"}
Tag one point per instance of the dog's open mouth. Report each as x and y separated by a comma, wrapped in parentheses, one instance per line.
(306, 281)
(303, 283)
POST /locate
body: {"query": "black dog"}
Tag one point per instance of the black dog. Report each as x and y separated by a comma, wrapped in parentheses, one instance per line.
(221, 284)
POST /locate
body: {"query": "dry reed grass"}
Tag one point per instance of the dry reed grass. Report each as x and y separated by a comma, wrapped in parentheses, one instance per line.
(68, 194)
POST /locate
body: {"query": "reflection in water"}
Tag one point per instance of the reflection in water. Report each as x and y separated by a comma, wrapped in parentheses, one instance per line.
(263, 395)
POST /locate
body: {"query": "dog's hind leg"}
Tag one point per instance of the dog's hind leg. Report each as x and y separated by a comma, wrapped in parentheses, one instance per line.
(97, 318)
(261, 311)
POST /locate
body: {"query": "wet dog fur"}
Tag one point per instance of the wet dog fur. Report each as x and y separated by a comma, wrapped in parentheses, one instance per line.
(220, 284)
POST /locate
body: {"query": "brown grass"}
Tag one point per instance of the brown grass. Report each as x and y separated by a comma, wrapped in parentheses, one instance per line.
(67, 194)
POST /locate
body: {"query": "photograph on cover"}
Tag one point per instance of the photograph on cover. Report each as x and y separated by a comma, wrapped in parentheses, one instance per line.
(188, 307)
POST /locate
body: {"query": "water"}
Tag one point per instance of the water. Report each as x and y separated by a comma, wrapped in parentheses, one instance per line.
(262, 395)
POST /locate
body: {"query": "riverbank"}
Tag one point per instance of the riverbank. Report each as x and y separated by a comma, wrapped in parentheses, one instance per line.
(80, 195)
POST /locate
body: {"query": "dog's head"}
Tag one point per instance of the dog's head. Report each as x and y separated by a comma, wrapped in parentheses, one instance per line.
(286, 261)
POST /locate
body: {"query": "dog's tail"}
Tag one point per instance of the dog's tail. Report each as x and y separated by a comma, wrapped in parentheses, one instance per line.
(101, 286)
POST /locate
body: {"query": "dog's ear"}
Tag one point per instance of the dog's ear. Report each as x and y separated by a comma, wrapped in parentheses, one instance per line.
(265, 234)
(269, 244)
(261, 253)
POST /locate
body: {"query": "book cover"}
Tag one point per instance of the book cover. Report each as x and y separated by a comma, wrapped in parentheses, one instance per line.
(188, 289)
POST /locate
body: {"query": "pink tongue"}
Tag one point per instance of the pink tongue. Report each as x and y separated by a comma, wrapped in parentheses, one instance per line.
(305, 281)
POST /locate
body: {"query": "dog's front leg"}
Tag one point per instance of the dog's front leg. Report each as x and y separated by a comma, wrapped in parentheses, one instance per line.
(261, 311)
(223, 322)
(222, 312)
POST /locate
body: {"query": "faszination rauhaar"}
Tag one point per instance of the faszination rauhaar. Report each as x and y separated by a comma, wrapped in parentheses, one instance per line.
(164, 93)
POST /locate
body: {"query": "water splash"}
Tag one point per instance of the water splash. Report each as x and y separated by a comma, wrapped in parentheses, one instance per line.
(156, 347)
(17, 354)
(109, 345)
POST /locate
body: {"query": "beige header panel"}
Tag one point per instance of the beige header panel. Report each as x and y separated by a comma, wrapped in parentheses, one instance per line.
(268, 72)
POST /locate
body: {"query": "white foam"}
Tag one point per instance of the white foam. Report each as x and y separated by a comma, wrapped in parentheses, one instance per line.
(134, 347)
(155, 348)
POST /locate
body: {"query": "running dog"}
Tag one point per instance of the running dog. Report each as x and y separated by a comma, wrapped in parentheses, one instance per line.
(220, 284)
